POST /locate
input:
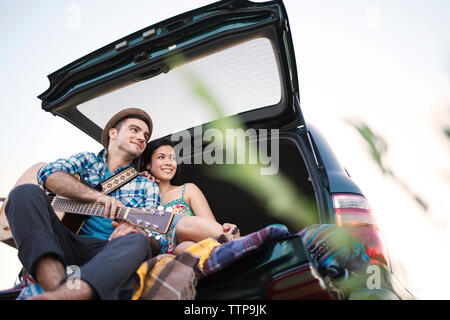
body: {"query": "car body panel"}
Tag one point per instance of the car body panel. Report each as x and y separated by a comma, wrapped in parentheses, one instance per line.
(338, 179)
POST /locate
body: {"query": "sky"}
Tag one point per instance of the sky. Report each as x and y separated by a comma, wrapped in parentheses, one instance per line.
(383, 62)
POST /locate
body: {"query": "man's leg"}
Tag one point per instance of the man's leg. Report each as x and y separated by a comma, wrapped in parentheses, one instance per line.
(114, 268)
(32, 223)
(83, 292)
(45, 246)
(105, 266)
(49, 272)
(108, 273)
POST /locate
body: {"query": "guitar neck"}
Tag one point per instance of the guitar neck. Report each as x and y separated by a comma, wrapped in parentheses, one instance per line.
(157, 220)
(83, 208)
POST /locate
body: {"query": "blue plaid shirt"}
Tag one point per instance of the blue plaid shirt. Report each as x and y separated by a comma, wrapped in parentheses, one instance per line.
(139, 192)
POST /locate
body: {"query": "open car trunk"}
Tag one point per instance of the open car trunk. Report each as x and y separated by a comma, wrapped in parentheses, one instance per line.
(232, 202)
(256, 274)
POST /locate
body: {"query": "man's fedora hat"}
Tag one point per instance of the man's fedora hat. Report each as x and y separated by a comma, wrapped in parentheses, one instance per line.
(126, 113)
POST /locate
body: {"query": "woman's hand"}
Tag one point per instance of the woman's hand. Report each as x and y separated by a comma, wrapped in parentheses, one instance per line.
(231, 229)
(149, 176)
(122, 229)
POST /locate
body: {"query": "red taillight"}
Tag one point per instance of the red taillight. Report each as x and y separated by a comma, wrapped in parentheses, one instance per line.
(354, 214)
(298, 284)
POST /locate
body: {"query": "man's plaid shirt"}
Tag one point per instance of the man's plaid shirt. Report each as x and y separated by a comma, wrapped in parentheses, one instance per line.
(139, 192)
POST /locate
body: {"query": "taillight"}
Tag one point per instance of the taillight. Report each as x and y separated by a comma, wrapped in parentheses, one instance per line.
(298, 284)
(354, 214)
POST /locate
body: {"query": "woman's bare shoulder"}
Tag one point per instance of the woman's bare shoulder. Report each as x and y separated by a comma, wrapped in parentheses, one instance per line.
(192, 190)
(191, 187)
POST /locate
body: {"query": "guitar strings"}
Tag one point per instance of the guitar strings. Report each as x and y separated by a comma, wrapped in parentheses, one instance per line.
(100, 206)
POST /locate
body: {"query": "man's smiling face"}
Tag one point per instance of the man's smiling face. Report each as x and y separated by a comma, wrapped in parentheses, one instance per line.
(130, 136)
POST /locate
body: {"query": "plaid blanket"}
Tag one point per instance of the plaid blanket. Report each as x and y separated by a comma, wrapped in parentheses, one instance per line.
(175, 277)
(334, 250)
(170, 277)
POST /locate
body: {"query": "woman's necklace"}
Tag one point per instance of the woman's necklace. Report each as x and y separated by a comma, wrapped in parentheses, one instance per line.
(170, 189)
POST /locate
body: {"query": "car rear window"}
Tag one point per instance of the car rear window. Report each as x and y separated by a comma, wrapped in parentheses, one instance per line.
(241, 78)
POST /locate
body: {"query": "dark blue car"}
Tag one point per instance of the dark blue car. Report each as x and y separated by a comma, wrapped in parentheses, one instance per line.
(233, 62)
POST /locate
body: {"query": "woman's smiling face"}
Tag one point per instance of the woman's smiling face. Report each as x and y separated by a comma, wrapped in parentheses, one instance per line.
(163, 165)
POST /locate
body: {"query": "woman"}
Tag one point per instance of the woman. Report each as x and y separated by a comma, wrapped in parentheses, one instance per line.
(193, 219)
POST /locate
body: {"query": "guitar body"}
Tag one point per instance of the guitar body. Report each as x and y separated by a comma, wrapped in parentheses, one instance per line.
(29, 176)
(72, 221)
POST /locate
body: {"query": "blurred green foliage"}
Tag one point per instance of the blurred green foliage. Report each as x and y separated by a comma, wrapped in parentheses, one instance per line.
(447, 132)
(378, 149)
(280, 196)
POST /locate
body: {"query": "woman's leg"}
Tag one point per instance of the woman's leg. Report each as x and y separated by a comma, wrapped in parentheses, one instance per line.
(181, 247)
(194, 228)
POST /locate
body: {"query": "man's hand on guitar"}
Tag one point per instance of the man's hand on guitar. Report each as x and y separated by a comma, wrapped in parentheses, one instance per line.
(111, 204)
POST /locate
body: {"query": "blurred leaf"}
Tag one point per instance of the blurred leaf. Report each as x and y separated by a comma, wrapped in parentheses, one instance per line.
(275, 192)
(377, 145)
(421, 202)
(447, 132)
(378, 149)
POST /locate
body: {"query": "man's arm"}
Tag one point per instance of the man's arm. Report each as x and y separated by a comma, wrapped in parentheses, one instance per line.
(75, 164)
(58, 177)
(63, 184)
(67, 186)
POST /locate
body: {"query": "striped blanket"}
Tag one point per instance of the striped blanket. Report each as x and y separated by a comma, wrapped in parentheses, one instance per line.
(175, 277)
(170, 277)
(334, 250)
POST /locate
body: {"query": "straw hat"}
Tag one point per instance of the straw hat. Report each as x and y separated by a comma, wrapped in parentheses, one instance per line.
(125, 113)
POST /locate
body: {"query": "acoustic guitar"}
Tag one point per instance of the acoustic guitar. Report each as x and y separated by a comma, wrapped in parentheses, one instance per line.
(72, 213)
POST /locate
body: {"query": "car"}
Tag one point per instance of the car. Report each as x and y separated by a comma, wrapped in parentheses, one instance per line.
(231, 65)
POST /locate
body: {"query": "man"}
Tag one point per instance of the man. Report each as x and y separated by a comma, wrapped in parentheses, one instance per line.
(107, 252)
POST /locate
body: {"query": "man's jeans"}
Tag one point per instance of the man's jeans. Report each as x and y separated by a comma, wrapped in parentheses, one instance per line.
(108, 266)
